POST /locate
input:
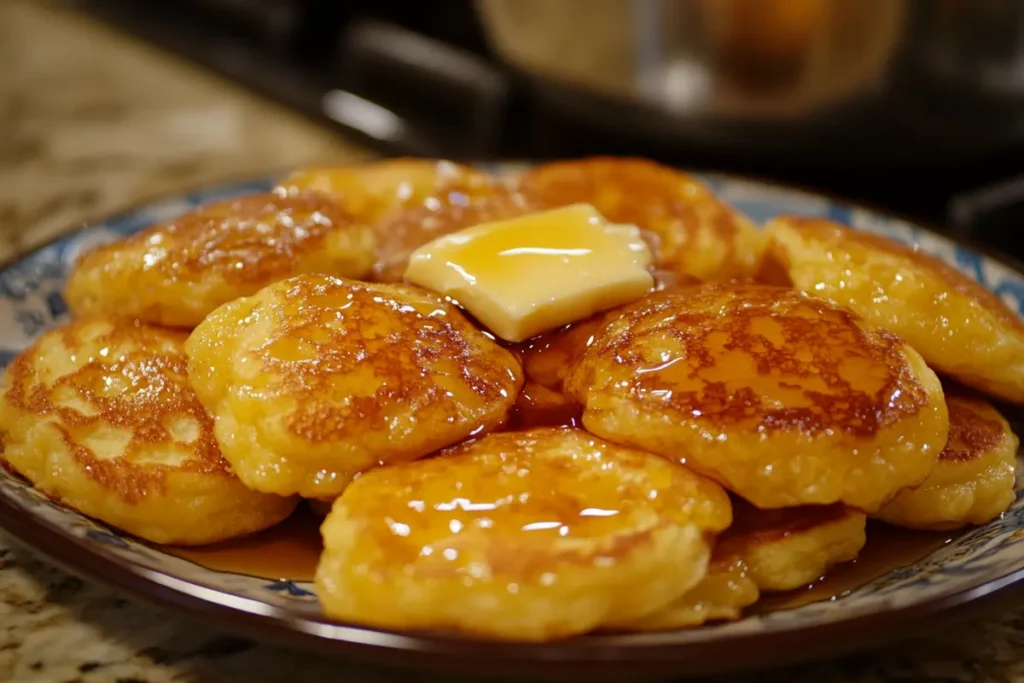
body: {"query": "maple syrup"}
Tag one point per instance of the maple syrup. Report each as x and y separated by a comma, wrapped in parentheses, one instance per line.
(888, 548)
(288, 552)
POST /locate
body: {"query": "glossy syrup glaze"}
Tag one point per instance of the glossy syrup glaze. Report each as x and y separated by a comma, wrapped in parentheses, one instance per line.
(341, 376)
(786, 399)
(691, 232)
(400, 233)
(177, 272)
(546, 359)
(527, 535)
(527, 487)
(764, 357)
(286, 552)
(290, 552)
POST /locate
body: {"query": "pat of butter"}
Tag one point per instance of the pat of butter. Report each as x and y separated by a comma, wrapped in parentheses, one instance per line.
(535, 273)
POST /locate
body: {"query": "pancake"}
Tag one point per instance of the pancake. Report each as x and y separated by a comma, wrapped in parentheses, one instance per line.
(175, 273)
(973, 481)
(783, 398)
(692, 233)
(316, 379)
(764, 551)
(720, 596)
(792, 547)
(960, 328)
(518, 535)
(401, 232)
(370, 190)
(99, 416)
(410, 202)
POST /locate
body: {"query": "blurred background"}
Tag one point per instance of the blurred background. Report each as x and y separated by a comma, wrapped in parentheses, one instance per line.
(916, 106)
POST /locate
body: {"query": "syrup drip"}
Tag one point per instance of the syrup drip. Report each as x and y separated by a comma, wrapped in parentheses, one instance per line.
(538, 406)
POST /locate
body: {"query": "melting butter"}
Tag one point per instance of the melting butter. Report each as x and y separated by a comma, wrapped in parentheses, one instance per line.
(534, 273)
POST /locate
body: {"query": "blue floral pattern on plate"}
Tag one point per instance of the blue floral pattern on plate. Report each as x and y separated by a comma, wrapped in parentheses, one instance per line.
(31, 303)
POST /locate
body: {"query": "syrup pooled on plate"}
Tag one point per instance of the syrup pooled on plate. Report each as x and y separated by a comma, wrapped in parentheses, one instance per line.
(286, 552)
(888, 549)
(290, 552)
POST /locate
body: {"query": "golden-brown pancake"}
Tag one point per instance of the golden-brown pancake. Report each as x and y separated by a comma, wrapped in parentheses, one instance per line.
(315, 379)
(401, 232)
(410, 202)
(783, 398)
(764, 551)
(720, 596)
(973, 481)
(176, 272)
(518, 535)
(959, 327)
(370, 190)
(792, 547)
(691, 232)
(100, 416)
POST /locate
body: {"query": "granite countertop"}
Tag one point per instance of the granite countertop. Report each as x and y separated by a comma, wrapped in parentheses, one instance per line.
(94, 122)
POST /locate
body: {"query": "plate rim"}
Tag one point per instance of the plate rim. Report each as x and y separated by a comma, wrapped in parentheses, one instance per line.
(600, 655)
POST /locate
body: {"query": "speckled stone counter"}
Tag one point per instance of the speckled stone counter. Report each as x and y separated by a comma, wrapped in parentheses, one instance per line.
(94, 122)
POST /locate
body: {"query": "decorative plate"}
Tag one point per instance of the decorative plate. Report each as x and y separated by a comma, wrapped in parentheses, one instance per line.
(970, 568)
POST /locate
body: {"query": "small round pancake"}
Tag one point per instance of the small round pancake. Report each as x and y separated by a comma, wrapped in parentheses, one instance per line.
(721, 596)
(529, 535)
(783, 398)
(959, 327)
(100, 416)
(690, 231)
(315, 379)
(401, 232)
(175, 273)
(792, 547)
(973, 481)
(410, 202)
(764, 551)
(370, 190)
